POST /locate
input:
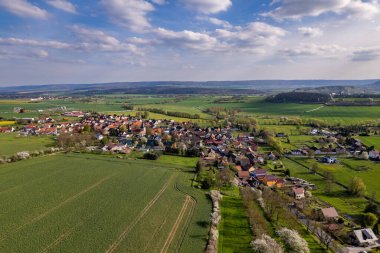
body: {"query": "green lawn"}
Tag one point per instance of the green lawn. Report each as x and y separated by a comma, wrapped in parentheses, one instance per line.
(235, 234)
(10, 143)
(371, 141)
(89, 203)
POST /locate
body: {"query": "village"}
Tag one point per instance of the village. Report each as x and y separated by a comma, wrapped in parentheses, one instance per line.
(223, 149)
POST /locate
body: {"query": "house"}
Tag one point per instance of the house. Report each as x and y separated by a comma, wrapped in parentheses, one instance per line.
(374, 154)
(244, 175)
(270, 180)
(328, 159)
(329, 213)
(259, 174)
(298, 192)
(281, 135)
(364, 237)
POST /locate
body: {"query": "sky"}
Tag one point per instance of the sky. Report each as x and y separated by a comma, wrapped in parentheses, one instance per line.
(89, 41)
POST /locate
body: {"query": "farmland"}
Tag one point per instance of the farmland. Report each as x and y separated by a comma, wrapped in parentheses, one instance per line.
(251, 106)
(11, 143)
(87, 203)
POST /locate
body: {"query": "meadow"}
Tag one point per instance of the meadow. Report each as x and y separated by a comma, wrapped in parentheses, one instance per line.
(89, 203)
(10, 143)
(339, 198)
(371, 141)
(250, 106)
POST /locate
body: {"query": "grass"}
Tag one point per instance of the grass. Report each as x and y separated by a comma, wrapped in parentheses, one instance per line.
(235, 234)
(10, 143)
(346, 168)
(371, 141)
(345, 204)
(86, 203)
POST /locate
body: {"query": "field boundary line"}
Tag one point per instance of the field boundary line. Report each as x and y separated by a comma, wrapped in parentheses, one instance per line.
(173, 232)
(68, 200)
(126, 231)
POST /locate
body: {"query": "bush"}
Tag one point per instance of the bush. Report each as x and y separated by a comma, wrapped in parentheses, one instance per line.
(357, 187)
(151, 156)
(266, 244)
(293, 240)
(369, 220)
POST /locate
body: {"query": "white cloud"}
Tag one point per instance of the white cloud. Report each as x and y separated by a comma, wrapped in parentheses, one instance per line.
(252, 35)
(366, 54)
(297, 9)
(62, 5)
(208, 6)
(220, 22)
(131, 14)
(96, 39)
(313, 49)
(23, 8)
(252, 38)
(159, 2)
(310, 31)
(34, 43)
(40, 53)
(189, 39)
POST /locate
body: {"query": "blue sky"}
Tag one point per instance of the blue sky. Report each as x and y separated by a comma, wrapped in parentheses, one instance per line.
(85, 41)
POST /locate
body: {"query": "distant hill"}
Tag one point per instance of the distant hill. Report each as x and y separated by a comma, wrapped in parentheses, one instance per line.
(299, 97)
(181, 87)
(339, 90)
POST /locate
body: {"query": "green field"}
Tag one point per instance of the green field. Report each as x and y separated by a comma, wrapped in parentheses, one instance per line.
(252, 106)
(235, 234)
(345, 204)
(371, 141)
(11, 143)
(88, 203)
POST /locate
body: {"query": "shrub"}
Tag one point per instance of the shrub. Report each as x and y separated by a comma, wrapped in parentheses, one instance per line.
(293, 240)
(369, 220)
(266, 244)
(151, 156)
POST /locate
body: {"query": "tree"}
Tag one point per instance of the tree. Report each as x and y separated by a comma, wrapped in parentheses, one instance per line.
(225, 177)
(357, 187)
(293, 240)
(369, 220)
(364, 155)
(315, 168)
(266, 244)
(146, 115)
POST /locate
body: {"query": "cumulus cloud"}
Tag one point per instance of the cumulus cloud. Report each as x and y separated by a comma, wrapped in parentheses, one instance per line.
(297, 9)
(131, 14)
(34, 43)
(96, 39)
(208, 6)
(189, 39)
(313, 49)
(249, 39)
(220, 22)
(310, 31)
(252, 35)
(23, 8)
(366, 54)
(62, 5)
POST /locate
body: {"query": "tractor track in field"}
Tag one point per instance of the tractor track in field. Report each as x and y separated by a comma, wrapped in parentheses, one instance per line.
(126, 231)
(31, 181)
(68, 200)
(188, 201)
(62, 237)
